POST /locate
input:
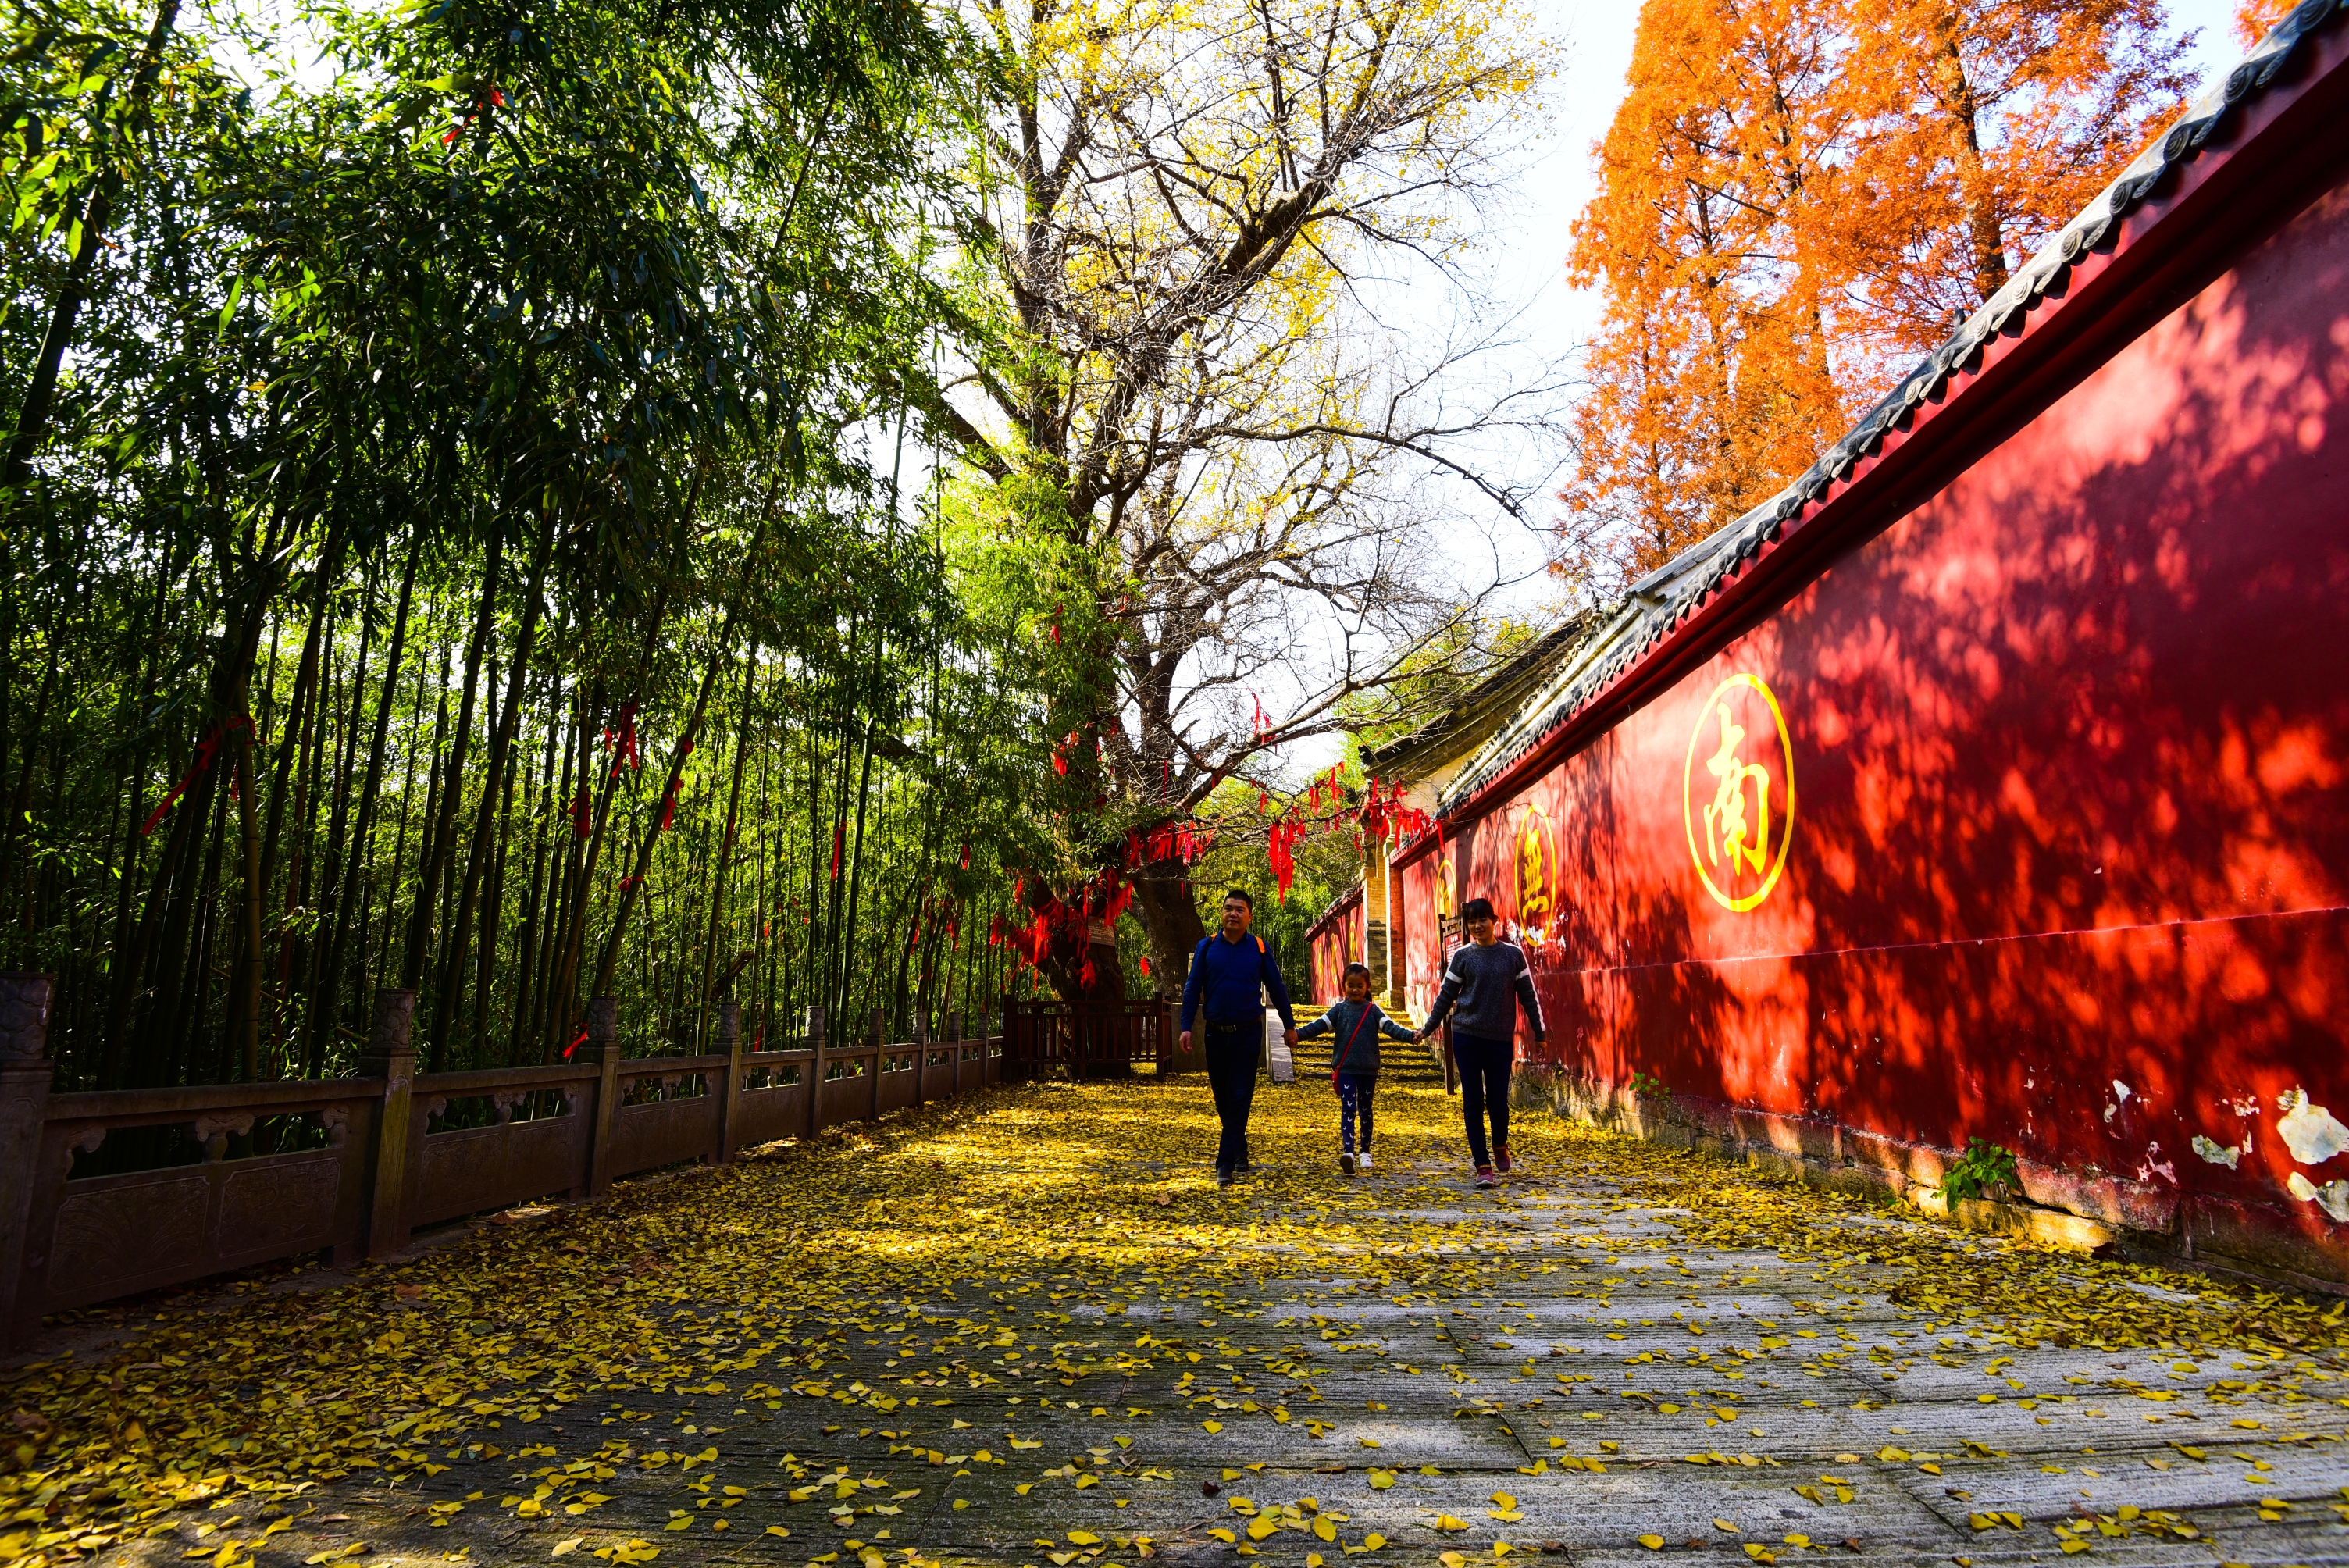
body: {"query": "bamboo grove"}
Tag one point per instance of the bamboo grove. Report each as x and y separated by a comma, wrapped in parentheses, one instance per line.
(459, 535)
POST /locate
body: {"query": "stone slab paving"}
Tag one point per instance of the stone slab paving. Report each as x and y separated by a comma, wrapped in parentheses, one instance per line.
(1550, 1372)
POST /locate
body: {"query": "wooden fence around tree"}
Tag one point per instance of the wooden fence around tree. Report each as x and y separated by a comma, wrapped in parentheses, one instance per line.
(351, 1167)
(1090, 1040)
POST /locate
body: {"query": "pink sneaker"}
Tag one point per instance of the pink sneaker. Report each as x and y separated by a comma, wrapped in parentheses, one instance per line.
(1501, 1157)
(1484, 1177)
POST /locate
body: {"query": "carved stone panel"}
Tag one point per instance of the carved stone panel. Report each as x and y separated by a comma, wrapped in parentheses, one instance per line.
(768, 1114)
(269, 1208)
(109, 1239)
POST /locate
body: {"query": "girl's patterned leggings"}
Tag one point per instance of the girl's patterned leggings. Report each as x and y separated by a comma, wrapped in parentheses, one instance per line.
(1354, 1100)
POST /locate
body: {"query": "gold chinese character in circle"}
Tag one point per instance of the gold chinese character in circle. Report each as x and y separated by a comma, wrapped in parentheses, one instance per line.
(1749, 823)
(1533, 876)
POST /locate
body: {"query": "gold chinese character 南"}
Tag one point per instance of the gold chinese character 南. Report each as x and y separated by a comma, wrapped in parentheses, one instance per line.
(1725, 820)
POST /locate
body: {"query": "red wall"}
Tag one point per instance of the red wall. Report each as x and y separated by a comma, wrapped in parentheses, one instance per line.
(1425, 886)
(1336, 941)
(2070, 848)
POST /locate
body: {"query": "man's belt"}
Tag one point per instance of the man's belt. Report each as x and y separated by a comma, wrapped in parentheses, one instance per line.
(1230, 1026)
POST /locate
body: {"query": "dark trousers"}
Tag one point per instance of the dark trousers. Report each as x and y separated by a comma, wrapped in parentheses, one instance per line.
(1233, 1058)
(1483, 1089)
(1354, 1104)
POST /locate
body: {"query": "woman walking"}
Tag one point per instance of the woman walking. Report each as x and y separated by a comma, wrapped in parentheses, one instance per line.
(1489, 980)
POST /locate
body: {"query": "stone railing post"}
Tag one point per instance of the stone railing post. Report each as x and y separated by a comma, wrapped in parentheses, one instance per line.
(24, 1072)
(954, 1049)
(390, 1056)
(603, 1045)
(873, 1032)
(815, 1068)
(729, 1042)
(923, 1039)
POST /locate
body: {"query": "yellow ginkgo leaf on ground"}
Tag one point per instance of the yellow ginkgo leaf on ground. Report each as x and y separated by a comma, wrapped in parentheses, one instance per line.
(562, 1548)
(1226, 1536)
(1452, 1560)
(1211, 1426)
(1084, 1538)
(1652, 1541)
(1445, 1522)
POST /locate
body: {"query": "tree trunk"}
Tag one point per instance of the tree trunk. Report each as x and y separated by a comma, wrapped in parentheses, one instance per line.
(1169, 907)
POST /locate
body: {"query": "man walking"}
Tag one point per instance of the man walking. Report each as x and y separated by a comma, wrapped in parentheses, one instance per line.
(1489, 980)
(1231, 972)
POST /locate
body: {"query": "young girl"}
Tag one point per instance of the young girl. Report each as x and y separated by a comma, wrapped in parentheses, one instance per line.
(1355, 1024)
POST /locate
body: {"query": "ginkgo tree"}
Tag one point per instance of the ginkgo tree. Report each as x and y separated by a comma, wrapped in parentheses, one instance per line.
(1190, 467)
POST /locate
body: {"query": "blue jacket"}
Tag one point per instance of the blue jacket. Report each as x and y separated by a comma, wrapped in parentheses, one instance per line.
(1225, 975)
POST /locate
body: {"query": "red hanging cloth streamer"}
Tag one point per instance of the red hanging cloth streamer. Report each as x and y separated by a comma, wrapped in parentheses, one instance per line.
(839, 842)
(575, 1044)
(623, 746)
(206, 753)
(582, 823)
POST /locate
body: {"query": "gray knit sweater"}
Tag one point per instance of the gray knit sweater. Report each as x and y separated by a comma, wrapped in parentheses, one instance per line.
(1488, 984)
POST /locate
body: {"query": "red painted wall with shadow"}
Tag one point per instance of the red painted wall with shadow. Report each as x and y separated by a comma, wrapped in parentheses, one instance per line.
(2068, 853)
(1335, 941)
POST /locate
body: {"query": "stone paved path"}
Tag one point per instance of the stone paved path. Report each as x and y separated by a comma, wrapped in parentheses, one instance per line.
(1037, 1336)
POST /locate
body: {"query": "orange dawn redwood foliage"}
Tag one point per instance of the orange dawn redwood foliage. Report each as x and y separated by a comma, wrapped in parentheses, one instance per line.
(2253, 18)
(1796, 198)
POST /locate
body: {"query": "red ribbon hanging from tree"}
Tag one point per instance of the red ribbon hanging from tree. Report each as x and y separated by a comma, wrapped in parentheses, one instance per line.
(669, 798)
(624, 745)
(205, 754)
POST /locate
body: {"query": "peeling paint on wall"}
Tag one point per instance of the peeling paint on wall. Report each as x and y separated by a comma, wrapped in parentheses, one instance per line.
(2218, 1153)
(2310, 1131)
(2333, 1197)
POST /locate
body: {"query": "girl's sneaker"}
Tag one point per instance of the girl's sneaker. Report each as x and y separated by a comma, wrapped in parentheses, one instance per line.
(1501, 1157)
(1346, 1163)
(1363, 1160)
(1484, 1177)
